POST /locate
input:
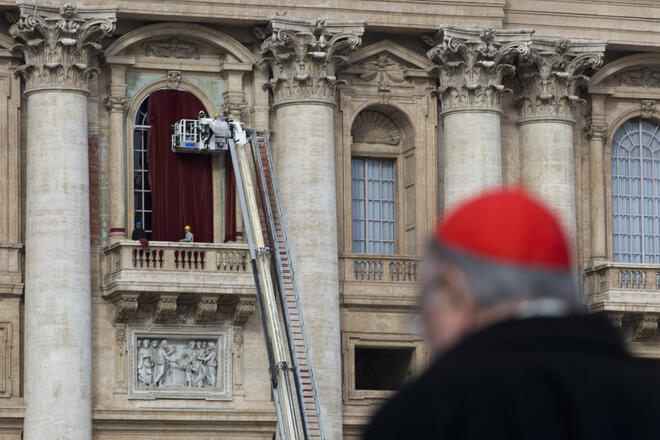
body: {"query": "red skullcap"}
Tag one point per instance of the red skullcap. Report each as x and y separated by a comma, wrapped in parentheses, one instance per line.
(506, 226)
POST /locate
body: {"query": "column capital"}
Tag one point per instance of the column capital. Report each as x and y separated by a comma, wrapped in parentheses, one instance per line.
(116, 103)
(595, 127)
(304, 56)
(550, 74)
(59, 43)
(472, 62)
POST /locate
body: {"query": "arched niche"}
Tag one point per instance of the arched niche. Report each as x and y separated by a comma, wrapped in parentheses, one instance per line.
(383, 129)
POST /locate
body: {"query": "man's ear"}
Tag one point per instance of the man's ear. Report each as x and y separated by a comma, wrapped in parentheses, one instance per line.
(458, 290)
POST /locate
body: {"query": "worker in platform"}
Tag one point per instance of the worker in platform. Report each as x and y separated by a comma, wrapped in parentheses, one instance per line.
(189, 237)
(515, 354)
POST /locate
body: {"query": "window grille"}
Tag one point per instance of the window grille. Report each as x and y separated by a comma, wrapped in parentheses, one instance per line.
(141, 189)
(636, 192)
(373, 206)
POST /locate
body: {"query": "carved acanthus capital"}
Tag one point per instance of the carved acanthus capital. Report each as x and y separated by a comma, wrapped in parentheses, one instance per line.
(59, 43)
(595, 128)
(551, 73)
(472, 63)
(116, 103)
(304, 56)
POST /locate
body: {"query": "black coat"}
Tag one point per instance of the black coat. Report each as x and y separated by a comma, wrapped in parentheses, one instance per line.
(539, 378)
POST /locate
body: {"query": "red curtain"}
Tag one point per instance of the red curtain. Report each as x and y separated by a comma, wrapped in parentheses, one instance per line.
(231, 234)
(181, 183)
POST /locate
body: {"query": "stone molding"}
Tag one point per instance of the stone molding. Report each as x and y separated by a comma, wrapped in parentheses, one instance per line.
(304, 56)
(472, 62)
(595, 127)
(550, 74)
(59, 43)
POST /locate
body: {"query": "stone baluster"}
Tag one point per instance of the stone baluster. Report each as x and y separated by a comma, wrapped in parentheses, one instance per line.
(303, 56)
(550, 74)
(471, 65)
(58, 44)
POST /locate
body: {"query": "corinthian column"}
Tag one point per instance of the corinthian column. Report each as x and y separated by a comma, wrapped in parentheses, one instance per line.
(550, 74)
(58, 44)
(471, 65)
(303, 56)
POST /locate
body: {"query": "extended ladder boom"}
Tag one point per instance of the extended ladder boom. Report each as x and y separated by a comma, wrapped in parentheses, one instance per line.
(264, 228)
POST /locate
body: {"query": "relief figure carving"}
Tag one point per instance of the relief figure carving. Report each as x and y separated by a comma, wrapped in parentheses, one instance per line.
(158, 365)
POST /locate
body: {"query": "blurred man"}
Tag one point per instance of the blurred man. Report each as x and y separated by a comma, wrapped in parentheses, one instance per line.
(516, 357)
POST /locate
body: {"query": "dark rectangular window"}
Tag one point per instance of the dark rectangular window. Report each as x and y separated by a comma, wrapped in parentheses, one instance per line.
(382, 368)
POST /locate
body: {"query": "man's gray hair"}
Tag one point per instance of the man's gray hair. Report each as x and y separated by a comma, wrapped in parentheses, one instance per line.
(492, 283)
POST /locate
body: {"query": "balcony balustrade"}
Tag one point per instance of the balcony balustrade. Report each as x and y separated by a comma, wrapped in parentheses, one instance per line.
(379, 280)
(166, 272)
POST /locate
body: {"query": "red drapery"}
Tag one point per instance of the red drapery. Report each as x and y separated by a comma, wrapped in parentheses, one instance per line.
(181, 184)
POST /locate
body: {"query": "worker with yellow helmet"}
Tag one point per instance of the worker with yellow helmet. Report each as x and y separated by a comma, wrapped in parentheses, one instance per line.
(189, 238)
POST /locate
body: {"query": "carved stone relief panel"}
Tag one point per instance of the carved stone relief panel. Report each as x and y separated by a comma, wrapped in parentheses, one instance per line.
(180, 363)
(172, 49)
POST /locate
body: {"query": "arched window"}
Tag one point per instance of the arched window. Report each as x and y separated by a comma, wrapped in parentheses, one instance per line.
(636, 192)
(141, 188)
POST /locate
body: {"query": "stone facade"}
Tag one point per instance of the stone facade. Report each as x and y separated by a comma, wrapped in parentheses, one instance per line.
(100, 338)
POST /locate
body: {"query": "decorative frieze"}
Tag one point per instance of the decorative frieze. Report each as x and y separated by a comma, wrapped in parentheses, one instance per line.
(472, 62)
(59, 43)
(551, 72)
(304, 56)
(646, 78)
(385, 70)
(180, 363)
(172, 49)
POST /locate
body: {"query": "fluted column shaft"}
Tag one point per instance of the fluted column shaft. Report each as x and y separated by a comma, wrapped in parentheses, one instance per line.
(58, 43)
(303, 56)
(550, 74)
(471, 65)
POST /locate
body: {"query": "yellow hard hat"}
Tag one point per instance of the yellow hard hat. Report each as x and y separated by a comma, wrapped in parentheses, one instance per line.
(187, 227)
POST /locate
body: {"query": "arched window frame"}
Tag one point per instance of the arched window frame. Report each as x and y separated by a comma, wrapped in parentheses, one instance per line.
(635, 191)
(134, 106)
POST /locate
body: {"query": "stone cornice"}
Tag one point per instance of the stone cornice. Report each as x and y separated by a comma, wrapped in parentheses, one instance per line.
(472, 62)
(304, 56)
(550, 74)
(59, 43)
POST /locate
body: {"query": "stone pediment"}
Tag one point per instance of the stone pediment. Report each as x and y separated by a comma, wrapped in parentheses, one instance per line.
(193, 46)
(387, 64)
